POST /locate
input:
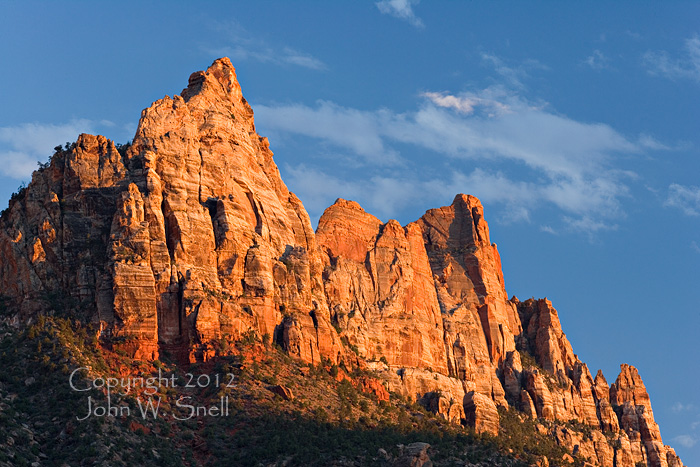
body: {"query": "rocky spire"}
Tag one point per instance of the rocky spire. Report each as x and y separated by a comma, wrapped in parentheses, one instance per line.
(188, 237)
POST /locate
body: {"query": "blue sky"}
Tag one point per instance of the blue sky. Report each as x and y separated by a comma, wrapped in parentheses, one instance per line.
(576, 125)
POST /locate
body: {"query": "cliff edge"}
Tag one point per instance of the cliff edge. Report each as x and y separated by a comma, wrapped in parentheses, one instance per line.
(187, 239)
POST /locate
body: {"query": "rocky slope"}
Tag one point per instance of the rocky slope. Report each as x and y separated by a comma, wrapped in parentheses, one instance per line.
(187, 240)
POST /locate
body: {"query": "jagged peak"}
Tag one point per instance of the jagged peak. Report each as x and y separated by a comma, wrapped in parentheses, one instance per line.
(460, 224)
(213, 91)
(629, 387)
(600, 378)
(469, 200)
(219, 77)
(343, 208)
(203, 206)
(348, 204)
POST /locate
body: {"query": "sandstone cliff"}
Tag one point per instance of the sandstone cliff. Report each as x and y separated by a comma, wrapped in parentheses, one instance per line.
(188, 239)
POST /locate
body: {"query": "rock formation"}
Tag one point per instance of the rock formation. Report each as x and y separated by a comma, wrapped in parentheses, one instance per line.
(187, 239)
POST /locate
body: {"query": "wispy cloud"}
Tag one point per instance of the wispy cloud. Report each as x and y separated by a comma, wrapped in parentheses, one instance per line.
(402, 9)
(680, 407)
(466, 104)
(241, 45)
(563, 162)
(520, 154)
(353, 129)
(21, 146)
(685, 67)
(685, 198)
(597, 60)
(649, 142)
(687, 441)
(513, 74)
(694, 246)
(387, 195)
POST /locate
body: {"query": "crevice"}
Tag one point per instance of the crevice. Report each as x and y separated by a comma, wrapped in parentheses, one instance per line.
(258, 218)
(312, 313)
(476, 217)
(169, 240)
(180, 307)
(278, 334)
(212, 206)
(201, 166)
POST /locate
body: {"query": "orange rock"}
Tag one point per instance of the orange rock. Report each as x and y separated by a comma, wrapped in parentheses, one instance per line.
(372, 386)
(539, 393)
(468, 272)
(379, 288)
(638, 421)
(481, 413)
(189, 239)
(543, 331)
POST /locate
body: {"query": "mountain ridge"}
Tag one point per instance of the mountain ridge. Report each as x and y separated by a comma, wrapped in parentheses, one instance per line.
(188, 238)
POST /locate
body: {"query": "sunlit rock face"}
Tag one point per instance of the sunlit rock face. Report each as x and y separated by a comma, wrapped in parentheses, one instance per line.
(187, 240)
(187, 237)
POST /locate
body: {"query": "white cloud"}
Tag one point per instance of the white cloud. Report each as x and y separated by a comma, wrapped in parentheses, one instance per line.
(597, 60)
(402, 9)
(21, 146)
(660, 63)
(387, 195)
(542, 140)
(352, 129)
(382, 196)
(680, 407)
(244, 46)
(512, 74)
(294, 57)
(264, 54)
(650, 142)
(589, 225)
(685, 198)
(686, 441)
(466, 104)
(501, 148)
(694, 246)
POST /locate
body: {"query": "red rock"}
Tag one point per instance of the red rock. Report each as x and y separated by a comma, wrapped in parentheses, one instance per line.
(629, 387)
(543, 330)
(445, 406)
(481, 413)
(373, 386)
(468, 267)
(283, 391)
(190, 237)
(379, 288)
(638, 421)
(136, 426)
(540, 394)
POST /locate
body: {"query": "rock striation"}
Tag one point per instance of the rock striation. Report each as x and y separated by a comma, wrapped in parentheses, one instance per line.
(187, 239)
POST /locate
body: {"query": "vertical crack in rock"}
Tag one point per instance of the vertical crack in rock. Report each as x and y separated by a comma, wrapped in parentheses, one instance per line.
(169, 229)
(254, 206)
(424, 304)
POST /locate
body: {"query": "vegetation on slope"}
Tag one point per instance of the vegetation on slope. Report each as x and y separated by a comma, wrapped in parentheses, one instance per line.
(328, 421)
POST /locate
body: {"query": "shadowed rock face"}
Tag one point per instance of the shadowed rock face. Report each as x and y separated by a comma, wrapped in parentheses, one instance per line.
(189, 238)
